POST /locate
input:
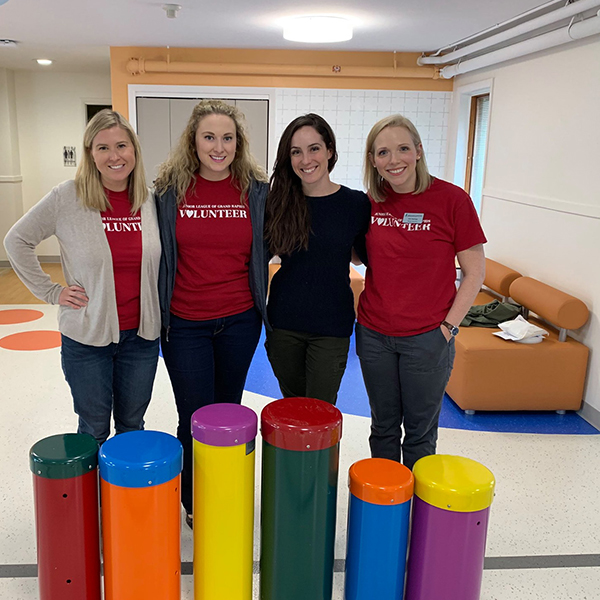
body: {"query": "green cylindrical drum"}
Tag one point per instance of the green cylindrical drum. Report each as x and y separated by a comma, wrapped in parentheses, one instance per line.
(300, 460)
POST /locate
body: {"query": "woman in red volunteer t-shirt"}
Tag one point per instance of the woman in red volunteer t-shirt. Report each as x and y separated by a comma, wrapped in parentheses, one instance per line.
(213, 279)
(410, 309)
(105, 222)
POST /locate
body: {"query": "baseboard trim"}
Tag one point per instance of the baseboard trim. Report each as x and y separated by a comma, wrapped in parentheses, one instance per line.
(50, 258)
(590, 414)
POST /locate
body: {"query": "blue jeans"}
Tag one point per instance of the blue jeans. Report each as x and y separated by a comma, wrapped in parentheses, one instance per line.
(405, 379)
(118, 378)
(208, 362)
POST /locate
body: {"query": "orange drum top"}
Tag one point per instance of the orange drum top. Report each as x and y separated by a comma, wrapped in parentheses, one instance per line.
(381, 481)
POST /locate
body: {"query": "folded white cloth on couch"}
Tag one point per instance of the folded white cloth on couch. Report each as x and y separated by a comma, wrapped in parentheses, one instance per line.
(520, 330)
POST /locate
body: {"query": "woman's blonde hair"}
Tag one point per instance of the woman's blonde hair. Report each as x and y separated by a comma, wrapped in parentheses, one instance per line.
(183, 164)
(377, 186)
(88, 182)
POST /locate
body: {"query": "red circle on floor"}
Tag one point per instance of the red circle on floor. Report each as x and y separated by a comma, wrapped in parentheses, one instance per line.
(31, 340)
(19, 315)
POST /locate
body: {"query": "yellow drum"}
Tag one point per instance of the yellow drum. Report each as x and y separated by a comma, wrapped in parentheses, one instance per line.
(224, 440)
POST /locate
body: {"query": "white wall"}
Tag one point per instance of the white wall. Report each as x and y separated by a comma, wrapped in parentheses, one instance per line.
(541, 197)
(50, 115)
(10, 169)
(352, 113)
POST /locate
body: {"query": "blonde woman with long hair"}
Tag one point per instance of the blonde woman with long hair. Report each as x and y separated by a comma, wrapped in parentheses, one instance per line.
(410, 309)
(105, 222)
(210, 197)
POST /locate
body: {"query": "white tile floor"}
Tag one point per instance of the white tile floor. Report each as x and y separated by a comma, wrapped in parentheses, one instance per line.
(546, 496)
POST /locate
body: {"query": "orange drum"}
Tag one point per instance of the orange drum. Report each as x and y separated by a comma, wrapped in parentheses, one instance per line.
(141, 516)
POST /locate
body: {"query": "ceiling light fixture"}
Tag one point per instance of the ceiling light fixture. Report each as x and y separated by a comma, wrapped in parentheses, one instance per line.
(43, 61)
(171, 10)
(317, 29)
(8, 43)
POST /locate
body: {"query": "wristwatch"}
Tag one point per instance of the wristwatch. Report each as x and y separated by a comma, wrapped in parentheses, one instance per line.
(453, 329)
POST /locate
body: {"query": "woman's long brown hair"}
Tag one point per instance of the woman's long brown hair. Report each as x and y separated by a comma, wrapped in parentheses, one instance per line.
(287, 220)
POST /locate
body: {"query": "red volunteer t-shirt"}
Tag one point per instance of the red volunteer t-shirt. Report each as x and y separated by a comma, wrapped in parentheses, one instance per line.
(124, 234)
(411, 245)
(214, 238)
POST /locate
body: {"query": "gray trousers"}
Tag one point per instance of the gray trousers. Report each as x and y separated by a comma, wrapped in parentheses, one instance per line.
(405, 379)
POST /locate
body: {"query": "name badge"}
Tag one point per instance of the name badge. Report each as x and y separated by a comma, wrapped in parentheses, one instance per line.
(413, 217)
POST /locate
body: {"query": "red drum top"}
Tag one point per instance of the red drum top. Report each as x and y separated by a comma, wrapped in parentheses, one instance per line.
(302, 424)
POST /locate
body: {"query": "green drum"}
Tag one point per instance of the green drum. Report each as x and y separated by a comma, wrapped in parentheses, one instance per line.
(300, 460)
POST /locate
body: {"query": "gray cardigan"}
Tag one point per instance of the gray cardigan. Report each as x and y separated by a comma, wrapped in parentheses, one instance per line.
(87, 262)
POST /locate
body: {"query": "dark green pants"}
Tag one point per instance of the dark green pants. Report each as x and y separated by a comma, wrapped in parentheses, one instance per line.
(307, 365)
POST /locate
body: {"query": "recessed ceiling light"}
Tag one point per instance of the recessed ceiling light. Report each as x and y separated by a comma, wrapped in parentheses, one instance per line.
(317, 29)
(4, 43)
(43, 61)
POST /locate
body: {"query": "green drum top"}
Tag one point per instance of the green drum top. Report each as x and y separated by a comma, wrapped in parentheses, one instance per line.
(64, 456)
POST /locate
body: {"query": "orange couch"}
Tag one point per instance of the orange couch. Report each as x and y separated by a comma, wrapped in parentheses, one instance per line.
(494, 374)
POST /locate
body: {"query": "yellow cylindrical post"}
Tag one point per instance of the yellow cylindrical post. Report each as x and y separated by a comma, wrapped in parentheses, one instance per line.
(224, 440)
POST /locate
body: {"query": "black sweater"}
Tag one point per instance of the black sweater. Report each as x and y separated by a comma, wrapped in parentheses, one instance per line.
(311, 291)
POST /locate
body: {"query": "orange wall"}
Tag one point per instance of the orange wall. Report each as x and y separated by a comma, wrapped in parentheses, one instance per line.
(120, 78)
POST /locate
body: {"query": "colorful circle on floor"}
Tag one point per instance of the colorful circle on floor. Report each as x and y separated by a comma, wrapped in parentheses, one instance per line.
(19, 315)
(31, 340)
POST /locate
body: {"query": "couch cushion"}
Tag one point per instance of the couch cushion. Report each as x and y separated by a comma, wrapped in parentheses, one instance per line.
(494, 374)
(485, 298)
(498, 277)
(561, 309)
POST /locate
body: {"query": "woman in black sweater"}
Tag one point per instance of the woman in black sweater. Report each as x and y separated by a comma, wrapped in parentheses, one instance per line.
(312, 223)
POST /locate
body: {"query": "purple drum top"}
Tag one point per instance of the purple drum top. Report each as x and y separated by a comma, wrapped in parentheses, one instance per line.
(224, 424)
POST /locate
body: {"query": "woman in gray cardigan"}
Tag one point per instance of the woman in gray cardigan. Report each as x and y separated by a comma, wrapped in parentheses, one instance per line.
(109, 315)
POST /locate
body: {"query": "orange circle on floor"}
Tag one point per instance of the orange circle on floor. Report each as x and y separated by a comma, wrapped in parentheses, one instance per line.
(31, 340)
(19, 315)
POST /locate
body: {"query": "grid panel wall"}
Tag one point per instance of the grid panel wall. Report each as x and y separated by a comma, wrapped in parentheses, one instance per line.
(352, 113)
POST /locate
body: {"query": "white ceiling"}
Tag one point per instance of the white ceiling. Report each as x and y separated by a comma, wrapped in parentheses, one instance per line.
(77, 34)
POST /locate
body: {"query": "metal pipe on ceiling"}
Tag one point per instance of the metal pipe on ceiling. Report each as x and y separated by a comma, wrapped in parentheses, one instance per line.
(531, 11)
(555, 16)
(575, 31)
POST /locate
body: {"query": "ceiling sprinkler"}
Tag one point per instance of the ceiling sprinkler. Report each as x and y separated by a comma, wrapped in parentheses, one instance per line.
(171, 10)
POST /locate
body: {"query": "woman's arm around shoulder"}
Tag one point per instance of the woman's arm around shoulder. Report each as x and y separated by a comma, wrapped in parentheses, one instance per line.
(359, 249)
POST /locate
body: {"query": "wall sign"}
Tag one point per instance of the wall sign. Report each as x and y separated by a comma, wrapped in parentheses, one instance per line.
(69, 156)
